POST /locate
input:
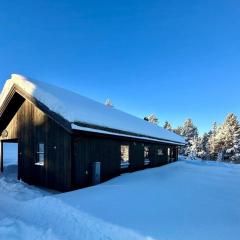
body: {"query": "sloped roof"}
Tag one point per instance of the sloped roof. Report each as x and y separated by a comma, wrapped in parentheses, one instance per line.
(78, 109)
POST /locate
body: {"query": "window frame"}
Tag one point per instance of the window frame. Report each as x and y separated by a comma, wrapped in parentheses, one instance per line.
(170, 155)
(160, 151)
(146, 158)
(40, 154)
(125, 163)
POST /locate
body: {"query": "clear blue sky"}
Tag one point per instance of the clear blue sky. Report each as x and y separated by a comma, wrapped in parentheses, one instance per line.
(177, 59)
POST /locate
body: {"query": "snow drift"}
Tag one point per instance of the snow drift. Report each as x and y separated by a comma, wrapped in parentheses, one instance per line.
(185, 200)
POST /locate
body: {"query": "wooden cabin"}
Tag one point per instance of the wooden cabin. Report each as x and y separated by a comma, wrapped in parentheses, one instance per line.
(67, 141)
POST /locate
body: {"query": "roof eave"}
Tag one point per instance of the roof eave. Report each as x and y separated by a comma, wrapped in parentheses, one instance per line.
(106, 131)
(54, 116)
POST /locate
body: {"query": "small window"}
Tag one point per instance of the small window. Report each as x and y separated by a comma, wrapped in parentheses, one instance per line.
(40, 154)
(169, 152)
(170, 155)
(159, 152)
(146, 155)
(124, 156)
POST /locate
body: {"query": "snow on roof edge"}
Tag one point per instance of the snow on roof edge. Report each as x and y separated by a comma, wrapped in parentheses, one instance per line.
(86, 129)
(74, 107)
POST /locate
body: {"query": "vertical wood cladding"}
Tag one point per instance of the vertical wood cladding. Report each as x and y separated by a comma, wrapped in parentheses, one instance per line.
(89, 148)
(30, 126)
(136, 156)
(69, 157)
(93, 149)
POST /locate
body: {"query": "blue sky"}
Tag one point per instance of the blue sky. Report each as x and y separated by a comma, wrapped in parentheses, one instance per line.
(177, 59)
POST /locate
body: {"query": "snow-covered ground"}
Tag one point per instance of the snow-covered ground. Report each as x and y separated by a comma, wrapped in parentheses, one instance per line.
(10, 153)
(186, 200)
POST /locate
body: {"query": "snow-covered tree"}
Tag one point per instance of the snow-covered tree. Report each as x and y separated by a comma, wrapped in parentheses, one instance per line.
(190, 132)
(220, 156)
(223, 139)
(151, 118)
(194, 147)
(204, 152)
(108, 103)
(221, 143)
(236, 148)
(231, 128)
(167, 125)
(212, 142)
(226, 135)
(178, 130)
(234, 151)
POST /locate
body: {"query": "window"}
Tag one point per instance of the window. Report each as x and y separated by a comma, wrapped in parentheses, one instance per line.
(40, 154)
(124, 156)
(170, 155)
(159, 152)
(146, 155)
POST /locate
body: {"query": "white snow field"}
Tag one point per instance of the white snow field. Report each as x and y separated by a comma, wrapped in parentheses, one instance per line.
(186, 200)
(10, 153)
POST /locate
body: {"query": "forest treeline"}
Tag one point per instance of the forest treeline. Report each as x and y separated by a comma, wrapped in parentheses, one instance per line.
(220, 143)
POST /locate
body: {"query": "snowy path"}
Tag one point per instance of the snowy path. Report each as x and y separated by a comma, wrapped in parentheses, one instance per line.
(182, 201)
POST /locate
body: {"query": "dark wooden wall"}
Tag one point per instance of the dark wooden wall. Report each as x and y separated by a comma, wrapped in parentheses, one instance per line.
(69, 157)
(89, 148)
(31, 126)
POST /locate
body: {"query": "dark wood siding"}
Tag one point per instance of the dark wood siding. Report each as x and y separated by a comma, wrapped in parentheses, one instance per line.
(136, 157)
(94, 149)
(31, 126)
(89, 148)
(69, 156)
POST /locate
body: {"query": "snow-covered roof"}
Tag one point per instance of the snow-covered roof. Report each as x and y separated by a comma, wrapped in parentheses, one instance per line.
(76, 108)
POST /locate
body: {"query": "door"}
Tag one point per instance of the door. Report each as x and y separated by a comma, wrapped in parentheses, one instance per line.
(81, 164)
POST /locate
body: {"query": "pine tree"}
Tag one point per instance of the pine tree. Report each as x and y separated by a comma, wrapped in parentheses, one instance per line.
(152, 119)
(167, 125)
(108, 103)
(234, 151)
(194, 147)
(212, 142)
(223, 138)
(204, 151)
(236, 147)
(230, 127)
(220, 156)
(178, 130)
(190, 132)
(221, 143)
(226, 136)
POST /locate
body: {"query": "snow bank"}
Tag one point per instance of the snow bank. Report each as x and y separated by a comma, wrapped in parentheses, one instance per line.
(76, 108)
(16, 189)
(183, 200)
(10, 153)
(12, 229)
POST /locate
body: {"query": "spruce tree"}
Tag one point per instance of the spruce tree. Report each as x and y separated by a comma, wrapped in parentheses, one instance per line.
(190, 132)
(178, 130)
(152, 119)
(226, 136)
(212, 142)
(167, 125)
(204, 151)
(236, 147)
(108, 103)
